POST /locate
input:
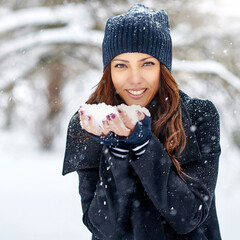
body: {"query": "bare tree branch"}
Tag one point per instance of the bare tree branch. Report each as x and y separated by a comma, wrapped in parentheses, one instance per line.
(71, 34)
(44, 16)
(211, 67)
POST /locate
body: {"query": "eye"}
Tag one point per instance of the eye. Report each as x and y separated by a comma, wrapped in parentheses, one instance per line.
(120, 65)
(149, 63)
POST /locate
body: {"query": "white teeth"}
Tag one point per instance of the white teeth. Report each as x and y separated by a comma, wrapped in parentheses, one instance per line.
(136, 92)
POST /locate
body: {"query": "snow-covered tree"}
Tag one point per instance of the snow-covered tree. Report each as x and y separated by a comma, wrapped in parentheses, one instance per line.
(50, 52)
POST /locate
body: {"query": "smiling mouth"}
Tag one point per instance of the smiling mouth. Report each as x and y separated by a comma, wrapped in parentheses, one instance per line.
(137, 92)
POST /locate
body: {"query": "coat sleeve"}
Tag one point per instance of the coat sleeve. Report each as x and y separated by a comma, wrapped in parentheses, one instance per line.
(184, 205)
(105, 183)
(105, 196)
(81, 150)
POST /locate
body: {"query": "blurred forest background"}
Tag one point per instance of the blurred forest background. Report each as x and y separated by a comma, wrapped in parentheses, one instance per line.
(50, 58)
(50, 50)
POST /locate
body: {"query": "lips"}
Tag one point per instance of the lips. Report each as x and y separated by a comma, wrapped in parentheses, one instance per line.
(136, 92)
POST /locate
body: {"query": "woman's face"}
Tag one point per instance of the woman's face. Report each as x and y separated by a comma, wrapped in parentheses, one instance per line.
(136, 77)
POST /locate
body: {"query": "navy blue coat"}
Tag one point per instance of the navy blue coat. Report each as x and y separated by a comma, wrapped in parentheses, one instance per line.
(141, 199)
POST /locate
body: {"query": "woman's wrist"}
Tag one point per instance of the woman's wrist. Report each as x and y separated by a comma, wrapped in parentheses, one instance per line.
(141, 133)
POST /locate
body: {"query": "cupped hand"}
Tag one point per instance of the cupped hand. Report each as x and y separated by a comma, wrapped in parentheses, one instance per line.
(121, 125)
(88, 123)
(127, 121)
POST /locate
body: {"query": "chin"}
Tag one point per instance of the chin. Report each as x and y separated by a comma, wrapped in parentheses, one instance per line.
(142, 104)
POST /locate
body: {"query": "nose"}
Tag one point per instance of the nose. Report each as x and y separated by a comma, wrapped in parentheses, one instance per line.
(135, 76)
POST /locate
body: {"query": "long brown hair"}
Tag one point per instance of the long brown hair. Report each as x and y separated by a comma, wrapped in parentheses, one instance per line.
(166, 115)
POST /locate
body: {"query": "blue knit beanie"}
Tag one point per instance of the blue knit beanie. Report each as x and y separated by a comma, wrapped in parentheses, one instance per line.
(141, 30)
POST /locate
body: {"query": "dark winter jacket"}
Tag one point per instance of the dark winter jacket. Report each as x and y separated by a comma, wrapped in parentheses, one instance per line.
(144, 198)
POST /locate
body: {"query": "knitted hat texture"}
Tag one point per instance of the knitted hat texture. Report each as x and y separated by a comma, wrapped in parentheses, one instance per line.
(141, 30)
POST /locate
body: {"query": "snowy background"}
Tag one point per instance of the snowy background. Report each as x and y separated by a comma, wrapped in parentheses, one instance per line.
(50, 58)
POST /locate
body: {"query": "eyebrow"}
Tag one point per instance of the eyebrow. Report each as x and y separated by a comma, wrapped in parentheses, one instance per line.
(141, 60)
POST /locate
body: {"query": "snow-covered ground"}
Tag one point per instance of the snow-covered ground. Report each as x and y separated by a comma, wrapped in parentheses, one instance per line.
(38, 203)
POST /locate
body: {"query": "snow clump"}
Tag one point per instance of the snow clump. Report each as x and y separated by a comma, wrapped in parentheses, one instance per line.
(101, 110)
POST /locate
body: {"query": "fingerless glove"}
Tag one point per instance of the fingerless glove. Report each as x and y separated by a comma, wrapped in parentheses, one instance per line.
(137, 141)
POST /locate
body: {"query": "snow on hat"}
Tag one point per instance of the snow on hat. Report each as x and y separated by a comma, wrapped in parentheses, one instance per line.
(142, 30)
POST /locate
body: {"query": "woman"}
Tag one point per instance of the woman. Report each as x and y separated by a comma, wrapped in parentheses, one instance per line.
(154, 179)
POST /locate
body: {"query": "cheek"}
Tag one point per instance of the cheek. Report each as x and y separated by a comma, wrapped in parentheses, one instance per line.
(118, 82)
(114, 80)
(155, 83)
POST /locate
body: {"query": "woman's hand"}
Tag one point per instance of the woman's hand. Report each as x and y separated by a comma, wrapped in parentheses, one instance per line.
(121, 125)
(89, 124)
(128, 122)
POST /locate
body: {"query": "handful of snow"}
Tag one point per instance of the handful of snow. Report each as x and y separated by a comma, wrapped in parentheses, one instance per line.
(101, 110)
